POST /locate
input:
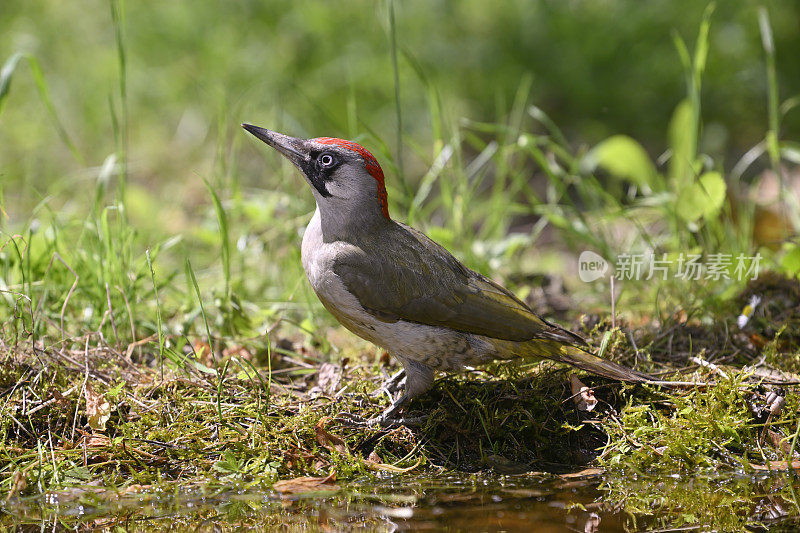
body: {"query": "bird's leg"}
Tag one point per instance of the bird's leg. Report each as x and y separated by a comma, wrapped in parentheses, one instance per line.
(392, 384)
(419, 378)
(391, 412)
(396, 381)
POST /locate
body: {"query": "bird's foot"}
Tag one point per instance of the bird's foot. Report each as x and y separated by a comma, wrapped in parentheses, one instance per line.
(391, 416)
(381, 420)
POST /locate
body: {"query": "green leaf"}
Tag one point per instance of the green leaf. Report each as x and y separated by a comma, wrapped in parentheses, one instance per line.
(114, 391)
(701, 46)
(702, 199)
(204, 369)
(78, 473)
(791, 261)
(227, 464)
(625, 158)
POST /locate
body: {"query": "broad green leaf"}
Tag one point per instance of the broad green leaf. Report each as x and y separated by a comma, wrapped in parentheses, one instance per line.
(702, 199)
(624, 158)
(227, 464)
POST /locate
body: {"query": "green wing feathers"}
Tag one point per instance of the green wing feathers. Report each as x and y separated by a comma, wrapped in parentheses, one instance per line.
(417, 280)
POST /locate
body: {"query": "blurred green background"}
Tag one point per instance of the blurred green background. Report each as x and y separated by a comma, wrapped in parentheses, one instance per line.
(150, 95)
(195, 69)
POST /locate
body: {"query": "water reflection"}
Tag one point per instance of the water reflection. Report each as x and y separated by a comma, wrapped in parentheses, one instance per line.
(455, 502)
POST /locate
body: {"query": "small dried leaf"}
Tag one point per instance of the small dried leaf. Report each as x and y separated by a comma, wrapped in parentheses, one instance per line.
(203, 352)
(588, 472)
(306, 484)
(374, 458)
(98, 410)
(582, 395)
(239, 351)
(770, 226)
(329, 377)
(758, 340)
(776, 406)
(96, 440)
(59, 398)
(779, 442)
(136, 489)
(326, 439)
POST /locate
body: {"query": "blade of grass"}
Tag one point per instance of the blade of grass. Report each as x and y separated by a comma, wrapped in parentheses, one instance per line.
(768, 43)
(193, 279)
(221, 380)
(225, 244)
(159, 323)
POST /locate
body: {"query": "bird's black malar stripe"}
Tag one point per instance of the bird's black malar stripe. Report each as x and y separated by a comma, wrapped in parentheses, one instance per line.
(317, 177)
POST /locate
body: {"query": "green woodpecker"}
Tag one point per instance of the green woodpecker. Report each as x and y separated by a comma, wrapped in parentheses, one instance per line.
(393, 286)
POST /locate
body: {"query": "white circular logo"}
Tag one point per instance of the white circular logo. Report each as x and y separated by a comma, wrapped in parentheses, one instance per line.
(591, 266)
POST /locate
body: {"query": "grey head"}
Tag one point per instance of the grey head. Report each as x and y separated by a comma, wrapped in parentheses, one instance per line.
(346, 180)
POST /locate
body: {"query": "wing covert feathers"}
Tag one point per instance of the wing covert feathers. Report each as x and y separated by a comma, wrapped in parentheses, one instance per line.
(416, 280)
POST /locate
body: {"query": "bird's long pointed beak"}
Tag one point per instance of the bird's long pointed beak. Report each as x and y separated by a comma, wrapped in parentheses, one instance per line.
(291, 148)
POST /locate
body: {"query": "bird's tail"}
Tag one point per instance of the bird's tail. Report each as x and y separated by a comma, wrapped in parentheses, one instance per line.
(591, 363)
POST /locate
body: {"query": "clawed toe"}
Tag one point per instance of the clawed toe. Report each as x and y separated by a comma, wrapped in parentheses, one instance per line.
(385, 420)
(350, 420)
(416, 421)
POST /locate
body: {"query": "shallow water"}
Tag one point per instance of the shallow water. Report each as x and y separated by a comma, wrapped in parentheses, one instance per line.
(457, 502)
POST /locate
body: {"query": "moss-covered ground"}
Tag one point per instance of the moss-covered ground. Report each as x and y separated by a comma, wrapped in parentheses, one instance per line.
(117, 420)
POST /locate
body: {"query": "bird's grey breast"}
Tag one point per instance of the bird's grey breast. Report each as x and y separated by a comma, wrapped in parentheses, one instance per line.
(319, 260)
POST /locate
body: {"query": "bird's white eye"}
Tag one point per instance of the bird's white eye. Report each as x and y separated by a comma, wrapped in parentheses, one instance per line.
(326, 160)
